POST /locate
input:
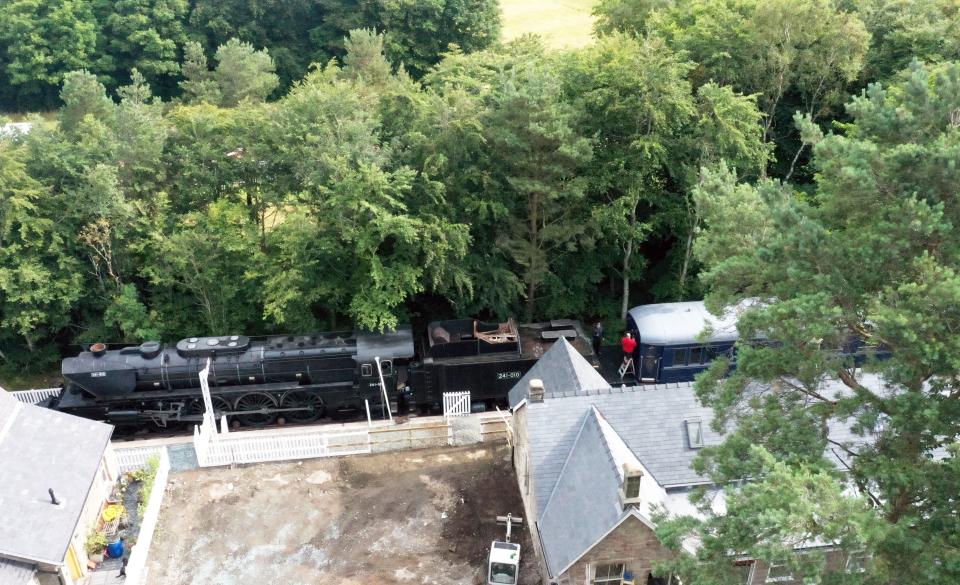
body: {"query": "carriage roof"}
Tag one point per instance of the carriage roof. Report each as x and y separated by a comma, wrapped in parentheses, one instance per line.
(683, 323)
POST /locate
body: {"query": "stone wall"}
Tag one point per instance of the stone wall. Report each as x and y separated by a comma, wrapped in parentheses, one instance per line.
(632, 543)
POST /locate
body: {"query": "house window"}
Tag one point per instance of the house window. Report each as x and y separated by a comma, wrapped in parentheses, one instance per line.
(695, 432)
(680, 357)
(779, 573)
(366, 370)
(631, 487)
(857, 562)
(608, 573)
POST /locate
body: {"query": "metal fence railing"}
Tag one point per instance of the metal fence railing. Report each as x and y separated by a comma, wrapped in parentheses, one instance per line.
(35, 396)
(135, 457)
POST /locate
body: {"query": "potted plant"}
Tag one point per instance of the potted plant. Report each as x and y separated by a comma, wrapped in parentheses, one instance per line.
(95, 545)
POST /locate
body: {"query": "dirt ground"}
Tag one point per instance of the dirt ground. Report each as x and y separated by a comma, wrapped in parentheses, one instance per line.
(407, 517)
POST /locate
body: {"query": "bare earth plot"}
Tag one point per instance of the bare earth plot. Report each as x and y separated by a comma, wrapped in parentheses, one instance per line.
(408, 517)
(561, 23)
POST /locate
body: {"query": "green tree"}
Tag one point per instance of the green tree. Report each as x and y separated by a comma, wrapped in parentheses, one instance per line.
(288, 29)
(656, 133)
(353, 246)
(365, 58)
(243, 73)
(198, 85)
(629, 16)
(83, 96)
(417, 33)
(143, 35)
(903, 30)
(538, 153)
(871, 253)
(39, 280)
(40, 42)
(203, 265)
(794, 55)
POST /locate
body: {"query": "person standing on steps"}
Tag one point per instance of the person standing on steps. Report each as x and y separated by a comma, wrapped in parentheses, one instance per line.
(597, 338)
(629, 345)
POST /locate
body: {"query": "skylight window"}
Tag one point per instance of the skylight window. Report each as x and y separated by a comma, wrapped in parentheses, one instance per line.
(695, 432)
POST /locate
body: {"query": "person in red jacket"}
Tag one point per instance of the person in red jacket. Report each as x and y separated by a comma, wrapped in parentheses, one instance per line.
(629, 345)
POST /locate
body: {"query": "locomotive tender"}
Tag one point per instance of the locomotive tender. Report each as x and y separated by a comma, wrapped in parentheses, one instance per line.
(301, 378)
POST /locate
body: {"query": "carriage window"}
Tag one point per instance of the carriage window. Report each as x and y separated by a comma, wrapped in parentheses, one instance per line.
(696, 355)
(679, 357)
(710, 353)
(386, 366)
(366, 370)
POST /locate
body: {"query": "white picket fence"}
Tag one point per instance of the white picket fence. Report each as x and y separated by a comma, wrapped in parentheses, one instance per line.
(136, 457)
(137, 562)
(227, 449)
(456, 404)
(35, 396)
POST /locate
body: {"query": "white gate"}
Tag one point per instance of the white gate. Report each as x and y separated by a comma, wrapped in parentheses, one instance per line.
(456, 404)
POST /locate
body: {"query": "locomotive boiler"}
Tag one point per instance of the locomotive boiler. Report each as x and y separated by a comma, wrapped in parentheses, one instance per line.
(299, 378)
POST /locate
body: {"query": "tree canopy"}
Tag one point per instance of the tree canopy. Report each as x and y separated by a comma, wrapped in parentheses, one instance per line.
(869, 254)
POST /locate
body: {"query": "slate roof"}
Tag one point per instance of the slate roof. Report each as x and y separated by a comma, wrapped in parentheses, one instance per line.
(564, 371)
(42, 449)
(15, 573)
(578, 443)
(649, 419)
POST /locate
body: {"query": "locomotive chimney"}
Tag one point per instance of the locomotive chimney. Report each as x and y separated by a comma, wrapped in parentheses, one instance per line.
(535, 392)
(53, 497)
(98, 349)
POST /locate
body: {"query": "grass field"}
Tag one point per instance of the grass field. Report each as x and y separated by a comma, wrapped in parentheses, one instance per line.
(561, 23)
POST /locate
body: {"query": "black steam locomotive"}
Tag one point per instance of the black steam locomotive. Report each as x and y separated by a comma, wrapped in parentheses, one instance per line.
(301, 378)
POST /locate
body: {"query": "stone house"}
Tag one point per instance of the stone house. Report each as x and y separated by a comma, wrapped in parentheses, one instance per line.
(57, 471)
(592, 462)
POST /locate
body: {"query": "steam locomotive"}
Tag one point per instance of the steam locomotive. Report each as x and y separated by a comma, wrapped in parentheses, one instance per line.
(301, 378)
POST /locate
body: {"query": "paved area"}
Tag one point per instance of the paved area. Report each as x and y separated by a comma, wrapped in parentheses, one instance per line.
(106, 574)
(411, 517)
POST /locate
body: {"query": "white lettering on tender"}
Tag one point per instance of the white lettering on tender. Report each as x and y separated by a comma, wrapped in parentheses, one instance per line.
(508, 375)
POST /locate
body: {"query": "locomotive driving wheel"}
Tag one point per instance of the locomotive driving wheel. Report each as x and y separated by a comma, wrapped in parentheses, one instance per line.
(309, 405)
(195, 408)
(256, 401)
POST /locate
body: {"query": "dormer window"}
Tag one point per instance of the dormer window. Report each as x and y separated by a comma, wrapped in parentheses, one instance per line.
(630, 490)
(695, 432)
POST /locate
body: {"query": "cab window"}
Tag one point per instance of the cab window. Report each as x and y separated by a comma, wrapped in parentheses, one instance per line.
(366, 370)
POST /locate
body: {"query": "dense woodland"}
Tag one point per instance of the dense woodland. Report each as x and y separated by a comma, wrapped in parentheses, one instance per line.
(240, 166)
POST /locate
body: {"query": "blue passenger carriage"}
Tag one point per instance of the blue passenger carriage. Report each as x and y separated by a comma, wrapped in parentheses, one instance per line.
(669, 344)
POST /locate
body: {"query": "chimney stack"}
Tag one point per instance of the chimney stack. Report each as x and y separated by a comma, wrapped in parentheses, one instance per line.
(53, 498)
(535, 393)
